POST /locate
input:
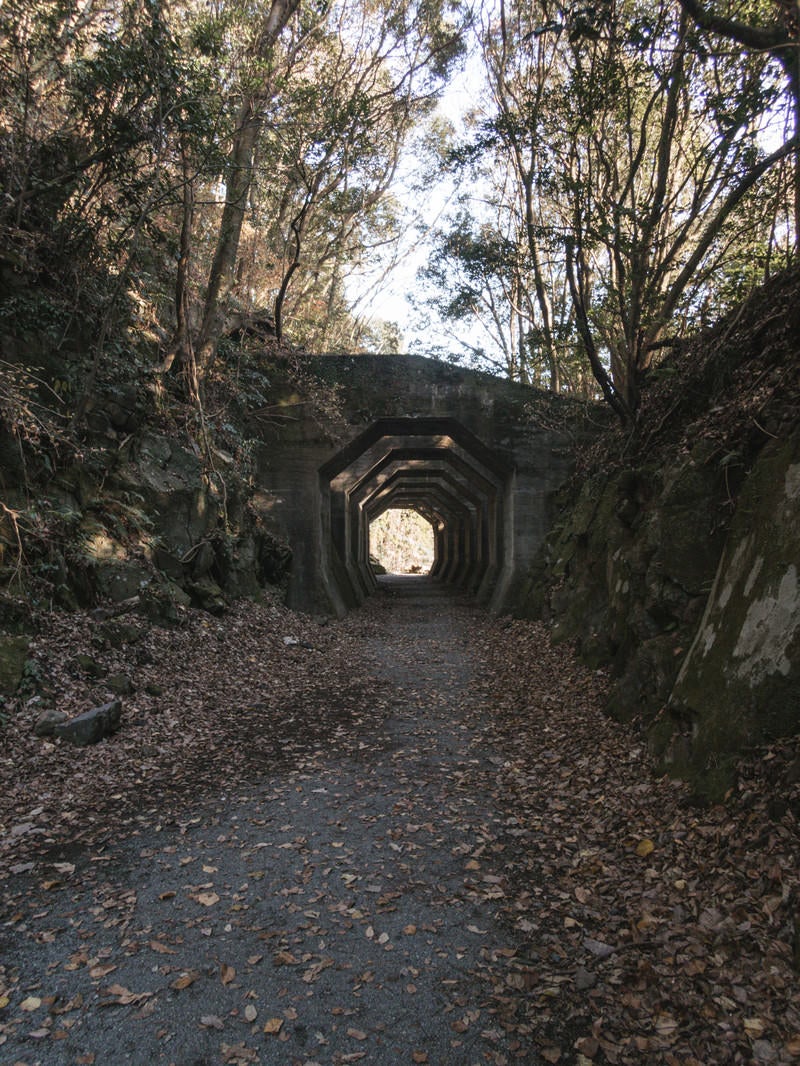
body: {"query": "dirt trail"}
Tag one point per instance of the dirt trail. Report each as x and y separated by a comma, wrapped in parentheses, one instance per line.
(341, 911)
(413, 837)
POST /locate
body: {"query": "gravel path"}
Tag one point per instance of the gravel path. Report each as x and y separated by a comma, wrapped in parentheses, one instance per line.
(339, 909)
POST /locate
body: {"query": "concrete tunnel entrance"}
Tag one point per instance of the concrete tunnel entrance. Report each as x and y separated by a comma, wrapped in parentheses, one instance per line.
(436, 467)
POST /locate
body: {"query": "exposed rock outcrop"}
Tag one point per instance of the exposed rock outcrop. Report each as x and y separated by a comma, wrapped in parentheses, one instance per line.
(674, 562)
(740, 681)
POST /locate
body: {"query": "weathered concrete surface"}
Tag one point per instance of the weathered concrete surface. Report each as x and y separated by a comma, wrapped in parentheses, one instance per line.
(466, 448)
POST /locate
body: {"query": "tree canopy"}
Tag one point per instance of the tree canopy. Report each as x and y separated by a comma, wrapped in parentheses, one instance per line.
(169, 169)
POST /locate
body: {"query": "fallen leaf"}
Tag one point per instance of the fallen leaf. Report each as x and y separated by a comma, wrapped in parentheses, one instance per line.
(162, 949)
(238, 1053)
(313, 972)
(284, 958)
(226, 973)
(250, 1013)
(754, 1027)
(30, 1003)
(185, 980)
(211, 1021)
(124, 996)
(666, 1025)
(645, 847)
(274, 1025)
(598, 948)
(208, 899)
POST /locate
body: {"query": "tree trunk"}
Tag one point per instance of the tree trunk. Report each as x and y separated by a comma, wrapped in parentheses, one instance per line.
(238, 181)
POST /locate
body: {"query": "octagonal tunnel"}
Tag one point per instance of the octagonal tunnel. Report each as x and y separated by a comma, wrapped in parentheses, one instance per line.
(435, 467)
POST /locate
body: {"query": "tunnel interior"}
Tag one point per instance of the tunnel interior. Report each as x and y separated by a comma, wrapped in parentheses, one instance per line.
(434, 466)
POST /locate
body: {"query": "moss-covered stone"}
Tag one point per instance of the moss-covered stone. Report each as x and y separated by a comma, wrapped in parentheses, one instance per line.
(740, 682)
(13, 656)
(626, 571)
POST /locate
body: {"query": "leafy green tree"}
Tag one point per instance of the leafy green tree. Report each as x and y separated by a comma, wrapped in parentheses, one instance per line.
(635, 162)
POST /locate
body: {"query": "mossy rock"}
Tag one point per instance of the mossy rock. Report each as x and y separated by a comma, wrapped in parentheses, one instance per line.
(686, 528)
(13, 656)
(740, 682)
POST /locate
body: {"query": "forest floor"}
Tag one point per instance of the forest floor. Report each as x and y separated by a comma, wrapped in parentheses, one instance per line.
(410, 836)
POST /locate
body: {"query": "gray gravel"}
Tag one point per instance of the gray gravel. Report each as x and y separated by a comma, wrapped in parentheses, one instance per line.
(340, 909)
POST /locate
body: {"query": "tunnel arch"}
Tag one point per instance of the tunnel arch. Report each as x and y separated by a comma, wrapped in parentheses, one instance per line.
(437, 466)
(484, 456)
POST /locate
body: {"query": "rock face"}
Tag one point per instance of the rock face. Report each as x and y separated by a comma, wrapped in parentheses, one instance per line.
(13, 654)
(91, 726)
(626, 573)
(740, 681)
(45, 725)
(674, 562)
(697, 614)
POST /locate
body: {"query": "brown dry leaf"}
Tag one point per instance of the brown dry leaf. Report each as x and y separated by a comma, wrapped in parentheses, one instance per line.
(273, 1026)
(313, 972)
(162, 949)
(30, 1003)
(419, 1056)
(101, 971)
(551, 1054)
(357, 1034)
(208, 899)
(226, 973)
(666, 1026)
(284, 958)
(587, 1046)
(238, 1053)
(124, 996)
(645, 847)
(185, 980)
(754, 1027)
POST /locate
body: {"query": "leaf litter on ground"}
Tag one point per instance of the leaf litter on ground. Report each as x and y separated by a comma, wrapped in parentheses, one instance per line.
(640, 928)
